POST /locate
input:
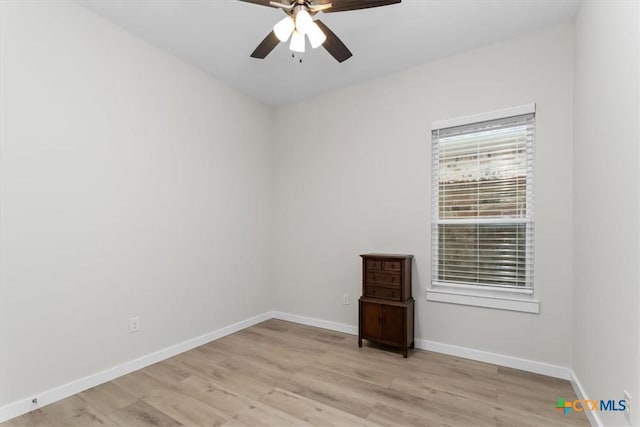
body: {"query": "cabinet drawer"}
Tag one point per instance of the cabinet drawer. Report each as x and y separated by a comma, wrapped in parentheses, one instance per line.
(392, 265)
(385, 278)
(374, 264)
(380, 292)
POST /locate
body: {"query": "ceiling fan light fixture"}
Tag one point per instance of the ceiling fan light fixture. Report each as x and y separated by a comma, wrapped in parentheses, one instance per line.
(297, 42)
(304, 22)
(284, 28)
(300, 13)
(316, 36)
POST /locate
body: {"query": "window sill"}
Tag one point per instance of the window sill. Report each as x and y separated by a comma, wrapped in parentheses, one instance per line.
(483, 299)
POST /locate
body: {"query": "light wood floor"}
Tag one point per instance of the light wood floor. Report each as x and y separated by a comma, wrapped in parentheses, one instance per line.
(279, 373)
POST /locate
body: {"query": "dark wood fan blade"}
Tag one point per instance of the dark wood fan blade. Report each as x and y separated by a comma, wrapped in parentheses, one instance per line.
(266, 46)
(345, 5)
(259, 2)
(333, 44)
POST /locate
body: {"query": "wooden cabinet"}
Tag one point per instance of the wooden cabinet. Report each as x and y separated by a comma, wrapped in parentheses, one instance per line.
(386, 307)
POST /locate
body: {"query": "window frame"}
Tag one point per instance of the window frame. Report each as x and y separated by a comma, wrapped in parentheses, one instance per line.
(505, 298)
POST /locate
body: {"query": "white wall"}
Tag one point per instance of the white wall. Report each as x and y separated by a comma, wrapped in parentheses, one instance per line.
(131, 184)
(352, 175)
(606, 187)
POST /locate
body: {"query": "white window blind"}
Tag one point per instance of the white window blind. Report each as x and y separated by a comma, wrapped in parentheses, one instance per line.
(482, 220)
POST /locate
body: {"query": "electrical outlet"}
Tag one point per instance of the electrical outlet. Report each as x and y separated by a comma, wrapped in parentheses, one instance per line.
(627, 412)
(134, 324)
(345, 299)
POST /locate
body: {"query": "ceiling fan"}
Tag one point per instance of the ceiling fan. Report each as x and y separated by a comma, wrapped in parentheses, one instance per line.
(299, 23)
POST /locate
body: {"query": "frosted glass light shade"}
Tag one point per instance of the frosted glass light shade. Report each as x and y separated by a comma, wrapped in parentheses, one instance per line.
(316, 36)
(304, 22)
(284, 28)
(297, 42)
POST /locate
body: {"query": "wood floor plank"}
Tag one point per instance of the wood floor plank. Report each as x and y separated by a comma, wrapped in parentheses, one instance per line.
(290, 343)
(479, 388)
(196, 362)
(187, 409)
(31, 419)
(140, 384)
(166, 372)
(238, 383)
(509, 417)
(357, 368)
(217, 350)
(73, 411)
(218, 395)
(393, 417)
(311, 411)
(107, 397)
(315, 387)
(443, 407)
(141, 414)
(279, 373)
(264, 415)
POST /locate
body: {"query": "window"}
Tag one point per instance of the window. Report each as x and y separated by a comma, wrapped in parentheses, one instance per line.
(482, 219)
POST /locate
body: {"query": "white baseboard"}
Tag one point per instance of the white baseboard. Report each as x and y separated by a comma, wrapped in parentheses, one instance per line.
(592, 416)
(496, 359)
(319, 323)
(47, 397)
(52, 395)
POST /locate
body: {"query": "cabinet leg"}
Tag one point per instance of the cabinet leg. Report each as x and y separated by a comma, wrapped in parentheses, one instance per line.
(359, 342)
(405, 353)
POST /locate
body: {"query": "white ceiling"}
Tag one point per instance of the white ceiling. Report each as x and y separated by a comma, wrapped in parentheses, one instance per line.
(219, 35)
